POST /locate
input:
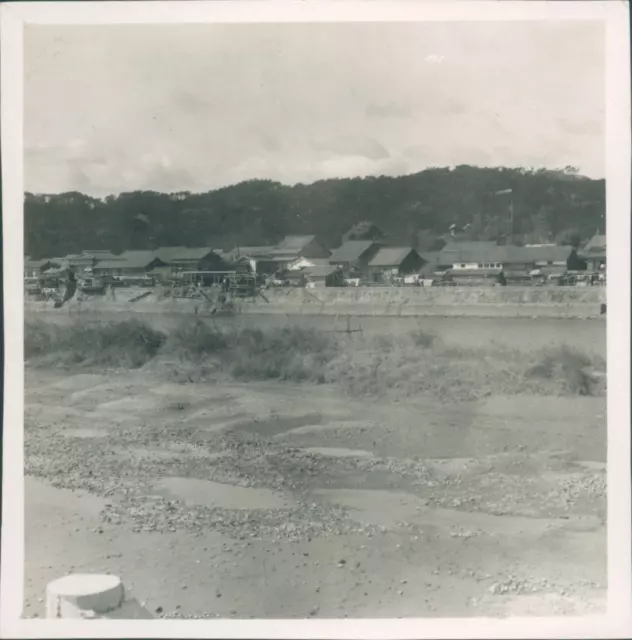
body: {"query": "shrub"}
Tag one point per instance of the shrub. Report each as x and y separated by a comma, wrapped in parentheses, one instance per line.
(568, 367)
(425, 339)
(195, 339)
(128, 343)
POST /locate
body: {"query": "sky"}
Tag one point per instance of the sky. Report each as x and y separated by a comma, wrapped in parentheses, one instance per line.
(196, 107)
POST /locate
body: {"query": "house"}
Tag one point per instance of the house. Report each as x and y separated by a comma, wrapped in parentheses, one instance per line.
(354, 255)
(363, 231)
(392, 262)
(269, 260)
(80, 262)
(293, 247)
(259, 258)
(129, 263)
(34, 268)
(191, 259)
(431, 260)
(594, 253)
(323, 276)
(467, 254)
(486, 260)
(306, 263)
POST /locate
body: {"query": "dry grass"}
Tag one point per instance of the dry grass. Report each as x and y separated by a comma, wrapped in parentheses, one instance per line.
(406, 366)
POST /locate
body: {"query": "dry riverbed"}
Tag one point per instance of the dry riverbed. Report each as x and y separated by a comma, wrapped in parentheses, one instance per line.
(278, 500)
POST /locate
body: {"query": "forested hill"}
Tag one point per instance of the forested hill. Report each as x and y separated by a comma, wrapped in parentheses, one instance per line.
(413, 210)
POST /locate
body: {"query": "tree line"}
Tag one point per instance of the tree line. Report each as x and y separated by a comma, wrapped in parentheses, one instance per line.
(414, 210)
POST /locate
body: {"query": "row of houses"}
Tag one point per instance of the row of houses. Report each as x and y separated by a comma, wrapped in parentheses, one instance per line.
(304, 260)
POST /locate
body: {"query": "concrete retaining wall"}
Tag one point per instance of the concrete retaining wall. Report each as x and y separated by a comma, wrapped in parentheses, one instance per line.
(389, 302)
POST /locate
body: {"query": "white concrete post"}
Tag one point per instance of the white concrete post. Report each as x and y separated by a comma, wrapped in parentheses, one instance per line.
(91, 596)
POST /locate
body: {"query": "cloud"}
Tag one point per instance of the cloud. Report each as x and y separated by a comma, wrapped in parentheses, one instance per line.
(111, 108)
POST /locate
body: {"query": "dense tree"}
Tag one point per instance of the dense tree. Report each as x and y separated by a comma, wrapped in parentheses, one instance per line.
(415, 210)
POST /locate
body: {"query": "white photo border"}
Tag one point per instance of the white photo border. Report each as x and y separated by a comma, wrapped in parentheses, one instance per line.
(617, 623)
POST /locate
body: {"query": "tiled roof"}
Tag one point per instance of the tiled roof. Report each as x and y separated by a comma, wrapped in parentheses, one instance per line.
(292, 244)
(595, 247)
(175, 254)
(320, 271)
(252, 252)
(390, 256)
(351, 251)
(129, 260)
(507, 254)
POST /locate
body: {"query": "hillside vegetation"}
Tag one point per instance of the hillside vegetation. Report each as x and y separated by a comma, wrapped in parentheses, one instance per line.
(413, 210)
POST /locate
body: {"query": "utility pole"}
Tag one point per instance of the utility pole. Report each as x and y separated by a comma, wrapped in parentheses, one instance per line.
(509, 192)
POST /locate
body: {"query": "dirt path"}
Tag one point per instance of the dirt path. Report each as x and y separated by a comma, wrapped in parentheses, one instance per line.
(288, 501)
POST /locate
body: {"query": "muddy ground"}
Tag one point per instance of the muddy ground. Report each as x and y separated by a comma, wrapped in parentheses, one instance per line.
(280, 501)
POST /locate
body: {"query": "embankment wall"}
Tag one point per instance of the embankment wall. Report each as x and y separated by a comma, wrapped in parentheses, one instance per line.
(490, 302)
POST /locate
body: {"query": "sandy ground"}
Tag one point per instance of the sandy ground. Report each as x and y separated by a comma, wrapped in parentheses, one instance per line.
(273, 500)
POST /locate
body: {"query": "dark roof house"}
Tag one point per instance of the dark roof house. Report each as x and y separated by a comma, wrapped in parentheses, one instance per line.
(354, 252)
(506, 255)
(129, 261)
(392, 256)
(292, 247)
(328, 275)
(595, 248)
(169, 255)
(252, 252)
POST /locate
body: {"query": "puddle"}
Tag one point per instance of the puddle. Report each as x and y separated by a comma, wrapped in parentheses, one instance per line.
(456, 465)
(132, 403)
(275, 425)
(85, 432)
(190, 391)
(593, 466)
(330, 426)
(79, 381)
(340, 452)
(389, 508)
(215, 494)
(171, 452)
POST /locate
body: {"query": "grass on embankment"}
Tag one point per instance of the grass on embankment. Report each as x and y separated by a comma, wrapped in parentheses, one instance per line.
(415, 364)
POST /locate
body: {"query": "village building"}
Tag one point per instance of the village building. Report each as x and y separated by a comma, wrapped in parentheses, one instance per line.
(293, 247)
(35, 268)
(594, 253)
(306, 263)
(475, 262)
(258, 258)
(393, 262)
(353, 256)
(136, 263)
(191, 259)
(80, 263)
(365, 230)
(325, 275)
(467, 255)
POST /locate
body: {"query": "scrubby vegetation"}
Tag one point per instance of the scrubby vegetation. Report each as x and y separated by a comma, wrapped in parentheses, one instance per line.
(407, 366)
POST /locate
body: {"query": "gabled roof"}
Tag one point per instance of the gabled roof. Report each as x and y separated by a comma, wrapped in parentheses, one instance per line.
(597, 244)
(390, 256)
(35, 264)
(99, 256)
(129, 260)
(292, 244)
(316, 262)
(175, 254)
(252, 252)
(507, 254)
(320, 271)
(431, 257)
(351, 251)
(546, 253)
